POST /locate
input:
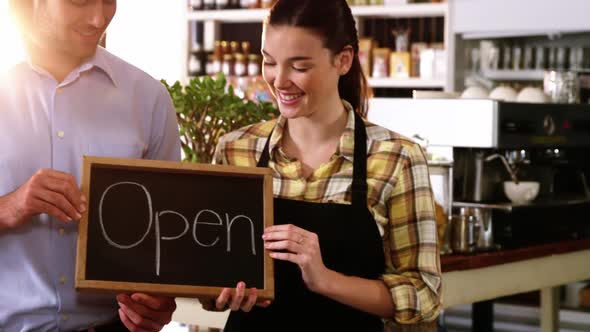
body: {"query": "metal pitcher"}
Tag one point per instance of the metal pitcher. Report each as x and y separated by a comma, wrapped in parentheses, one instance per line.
(485, 237)
(464, 232)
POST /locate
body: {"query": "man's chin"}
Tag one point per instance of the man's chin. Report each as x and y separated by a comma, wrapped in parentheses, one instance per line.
(85, 53)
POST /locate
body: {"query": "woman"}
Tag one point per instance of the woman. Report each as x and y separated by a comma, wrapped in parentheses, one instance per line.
(354, 239)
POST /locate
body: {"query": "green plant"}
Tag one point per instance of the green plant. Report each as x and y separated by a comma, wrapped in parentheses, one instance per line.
(207, 108)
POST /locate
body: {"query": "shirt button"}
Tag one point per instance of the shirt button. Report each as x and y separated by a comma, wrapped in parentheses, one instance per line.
(61, 134)
(60, 90)
(62, 280)
(65, 317)
(62, 231)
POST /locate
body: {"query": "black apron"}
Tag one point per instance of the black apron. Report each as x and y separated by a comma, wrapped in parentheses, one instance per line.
(350, 243)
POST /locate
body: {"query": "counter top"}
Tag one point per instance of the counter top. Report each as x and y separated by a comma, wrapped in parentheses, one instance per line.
(486, 276)
(485, 259)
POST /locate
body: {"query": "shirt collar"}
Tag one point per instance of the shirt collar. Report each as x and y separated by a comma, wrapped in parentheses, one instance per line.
(345, 147)
(98, 60)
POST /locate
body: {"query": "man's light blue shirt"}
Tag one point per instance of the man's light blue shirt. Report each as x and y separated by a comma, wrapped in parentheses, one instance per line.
(106, 107)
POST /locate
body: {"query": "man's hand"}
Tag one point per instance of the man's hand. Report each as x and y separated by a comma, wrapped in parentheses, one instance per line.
(239, 298)
(145, 313)
(52, 192)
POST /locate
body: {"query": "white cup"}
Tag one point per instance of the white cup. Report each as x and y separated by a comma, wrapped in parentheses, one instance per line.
(522, 192)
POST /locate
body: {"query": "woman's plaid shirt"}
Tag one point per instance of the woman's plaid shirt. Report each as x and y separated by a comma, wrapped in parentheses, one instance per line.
(399, 197)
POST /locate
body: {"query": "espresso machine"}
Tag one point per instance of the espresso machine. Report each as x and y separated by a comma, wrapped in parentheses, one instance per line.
(544, 143)
(491, 142)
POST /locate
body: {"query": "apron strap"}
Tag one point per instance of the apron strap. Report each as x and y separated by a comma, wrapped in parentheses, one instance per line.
(359, 168)
(265, 156)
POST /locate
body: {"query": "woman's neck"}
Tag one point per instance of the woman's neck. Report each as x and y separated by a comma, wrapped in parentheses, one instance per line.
(323, 125)
(314, 139)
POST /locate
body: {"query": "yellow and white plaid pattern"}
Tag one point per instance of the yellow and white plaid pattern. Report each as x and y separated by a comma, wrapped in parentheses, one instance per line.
(399, 197)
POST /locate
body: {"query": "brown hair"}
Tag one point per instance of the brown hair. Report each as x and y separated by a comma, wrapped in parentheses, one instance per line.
(332, 20)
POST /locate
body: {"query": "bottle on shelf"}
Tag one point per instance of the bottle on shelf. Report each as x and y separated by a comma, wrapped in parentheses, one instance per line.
(217, 64)
(234, 47)
(254, 65)
(228, 65)
(240, 65)
(217, 48)
(216, 58)
(241, 81)
(246, 48)
(225, 49)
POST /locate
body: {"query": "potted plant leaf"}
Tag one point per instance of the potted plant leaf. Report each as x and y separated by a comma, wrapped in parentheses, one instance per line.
(207, 108)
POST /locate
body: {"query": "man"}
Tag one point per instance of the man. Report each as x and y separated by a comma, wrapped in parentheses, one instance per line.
(68, 99)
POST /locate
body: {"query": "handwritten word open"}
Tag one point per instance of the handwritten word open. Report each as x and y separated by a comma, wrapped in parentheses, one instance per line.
(196, 221)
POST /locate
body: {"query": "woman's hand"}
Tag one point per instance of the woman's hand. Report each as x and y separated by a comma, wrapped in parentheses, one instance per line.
(239, 298)
(296, 245)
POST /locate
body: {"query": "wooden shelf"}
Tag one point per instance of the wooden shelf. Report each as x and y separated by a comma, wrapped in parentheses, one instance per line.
(212, 24)
(412, 82)
(258, 15)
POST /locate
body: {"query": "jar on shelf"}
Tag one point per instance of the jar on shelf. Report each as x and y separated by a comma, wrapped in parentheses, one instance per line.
(253, 65)
(228, 65)
(240, 65)
(208, 4)
(195, 4)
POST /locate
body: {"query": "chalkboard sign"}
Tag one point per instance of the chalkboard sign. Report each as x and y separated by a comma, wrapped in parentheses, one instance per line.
(180, 229)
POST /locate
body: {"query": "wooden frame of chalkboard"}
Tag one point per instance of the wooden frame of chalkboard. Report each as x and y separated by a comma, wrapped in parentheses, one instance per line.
(171, 247)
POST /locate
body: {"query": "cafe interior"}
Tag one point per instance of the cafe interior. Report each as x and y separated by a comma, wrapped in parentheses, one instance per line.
(505, 86)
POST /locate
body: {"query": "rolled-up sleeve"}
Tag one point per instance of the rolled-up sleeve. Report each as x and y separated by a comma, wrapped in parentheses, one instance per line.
(413, 272)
